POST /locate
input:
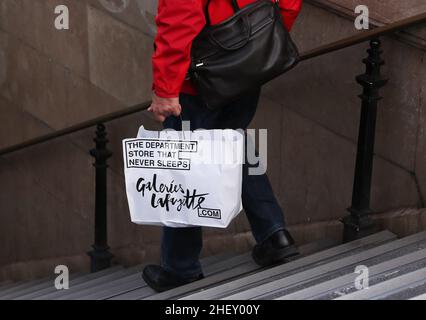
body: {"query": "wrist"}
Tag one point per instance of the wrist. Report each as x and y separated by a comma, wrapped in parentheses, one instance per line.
(165, 95)
(164, 101)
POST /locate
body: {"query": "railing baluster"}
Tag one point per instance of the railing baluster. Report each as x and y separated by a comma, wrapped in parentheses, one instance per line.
(359, 222)
(100, 255)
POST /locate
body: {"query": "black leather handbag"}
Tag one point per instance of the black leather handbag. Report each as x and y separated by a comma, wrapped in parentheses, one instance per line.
(245, 51)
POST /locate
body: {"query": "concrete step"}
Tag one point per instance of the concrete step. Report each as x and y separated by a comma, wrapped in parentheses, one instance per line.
(235, 273)
(33, 286)
(206, 261)
(259, 278)
(77, 287)
(328, 271)
(409, 293)
(345, 284)
(75, 280)
(6, 285)
(113, 282)
(42, 287)
(211, 265)
(217, 268)
(208, 282)
(106, 290)
(390, 288)
(27, 288)
(397, 270)
(349, 269)
(22, 286)
(420, 297)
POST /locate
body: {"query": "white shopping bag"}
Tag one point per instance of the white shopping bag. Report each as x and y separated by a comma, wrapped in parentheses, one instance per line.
(185, 178)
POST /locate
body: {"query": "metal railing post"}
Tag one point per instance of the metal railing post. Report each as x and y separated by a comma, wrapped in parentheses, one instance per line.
(100, 255)
(359, 223)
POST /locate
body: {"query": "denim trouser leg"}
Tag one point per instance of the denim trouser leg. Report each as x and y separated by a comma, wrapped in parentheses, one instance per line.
(181, 247)
(180, 250)
(262, 209)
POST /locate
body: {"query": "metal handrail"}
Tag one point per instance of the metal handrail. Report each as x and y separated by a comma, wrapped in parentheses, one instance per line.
(331, 47)
(364, 36)
(81, 126)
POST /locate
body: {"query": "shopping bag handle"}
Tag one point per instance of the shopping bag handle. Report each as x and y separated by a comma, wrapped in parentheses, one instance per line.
(181, 125)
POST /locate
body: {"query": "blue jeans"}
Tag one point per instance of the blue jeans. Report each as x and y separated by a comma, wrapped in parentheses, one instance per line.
(181, 247)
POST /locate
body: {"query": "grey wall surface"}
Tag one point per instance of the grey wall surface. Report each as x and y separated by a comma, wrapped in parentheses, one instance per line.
(51, 79)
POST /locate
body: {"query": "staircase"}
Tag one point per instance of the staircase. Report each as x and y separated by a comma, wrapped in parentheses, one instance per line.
(397, 270)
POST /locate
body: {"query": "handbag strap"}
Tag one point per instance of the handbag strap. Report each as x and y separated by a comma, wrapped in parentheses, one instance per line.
(235, 6)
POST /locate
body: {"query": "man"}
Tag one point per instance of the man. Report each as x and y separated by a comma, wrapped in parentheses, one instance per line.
(179, 22)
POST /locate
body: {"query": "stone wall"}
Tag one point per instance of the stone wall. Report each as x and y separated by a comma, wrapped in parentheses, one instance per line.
(52, 79)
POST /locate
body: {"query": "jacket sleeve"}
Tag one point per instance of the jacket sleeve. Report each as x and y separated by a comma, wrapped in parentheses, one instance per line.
(290, 10)
(178, 22)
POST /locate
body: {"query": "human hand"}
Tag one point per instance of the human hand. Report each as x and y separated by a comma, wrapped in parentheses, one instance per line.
(164, 107)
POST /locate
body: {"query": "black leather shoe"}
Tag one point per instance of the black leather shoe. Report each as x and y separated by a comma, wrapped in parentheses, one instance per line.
(161, 280)
(278, 247)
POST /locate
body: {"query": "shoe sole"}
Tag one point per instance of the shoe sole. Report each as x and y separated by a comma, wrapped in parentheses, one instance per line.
(279, 256)
(153, 286)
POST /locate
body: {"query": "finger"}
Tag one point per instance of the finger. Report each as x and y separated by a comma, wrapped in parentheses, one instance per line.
(160, 118)
(177, 111)
(166, 112)
(171, 110)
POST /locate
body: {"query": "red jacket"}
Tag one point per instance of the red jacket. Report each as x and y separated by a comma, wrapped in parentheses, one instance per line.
(179, 22)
